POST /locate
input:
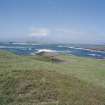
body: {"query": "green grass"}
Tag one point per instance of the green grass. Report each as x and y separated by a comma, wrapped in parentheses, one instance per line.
(33, 80)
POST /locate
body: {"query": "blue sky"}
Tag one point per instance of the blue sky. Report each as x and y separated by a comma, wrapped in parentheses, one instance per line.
(73, 21)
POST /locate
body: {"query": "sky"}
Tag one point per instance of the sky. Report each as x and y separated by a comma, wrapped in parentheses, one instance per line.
(64, 21)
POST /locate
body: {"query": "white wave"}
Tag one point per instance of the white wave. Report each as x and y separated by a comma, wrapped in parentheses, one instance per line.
(90, 50)
(25, 43)
(92, 54)
(94, 51)
(33, 53)
(65, 51)
(72, 47)
(34, 44)
(60, 46)
(95, 55)
(13, 47)
(45, 50)
(20, 43)
(80, 48)
(29, 48)
(2, 46)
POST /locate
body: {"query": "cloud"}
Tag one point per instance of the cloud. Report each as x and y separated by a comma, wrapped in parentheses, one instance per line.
(77, 35)
(69, 31)
(41, 32)
(66, 35)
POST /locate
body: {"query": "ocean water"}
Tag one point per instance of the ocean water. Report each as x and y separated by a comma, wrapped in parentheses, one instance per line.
(29, 49)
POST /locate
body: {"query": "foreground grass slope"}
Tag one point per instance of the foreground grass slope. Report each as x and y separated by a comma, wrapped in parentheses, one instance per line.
(33, 80)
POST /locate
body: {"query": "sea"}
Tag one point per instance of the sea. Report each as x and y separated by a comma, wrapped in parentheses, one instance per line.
(69, 49)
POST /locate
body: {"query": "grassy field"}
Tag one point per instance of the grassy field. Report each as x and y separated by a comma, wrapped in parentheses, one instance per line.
(35, 80)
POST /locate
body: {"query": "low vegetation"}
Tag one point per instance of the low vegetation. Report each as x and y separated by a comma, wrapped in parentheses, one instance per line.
(33, 80)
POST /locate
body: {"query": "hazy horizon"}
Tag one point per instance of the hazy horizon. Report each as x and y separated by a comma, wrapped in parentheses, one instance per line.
(53, 21)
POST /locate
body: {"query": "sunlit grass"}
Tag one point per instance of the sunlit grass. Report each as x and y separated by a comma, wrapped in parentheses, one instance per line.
(31, 80)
